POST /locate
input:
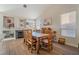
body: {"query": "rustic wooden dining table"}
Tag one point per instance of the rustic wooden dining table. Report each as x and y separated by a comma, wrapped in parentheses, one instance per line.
(38, 36)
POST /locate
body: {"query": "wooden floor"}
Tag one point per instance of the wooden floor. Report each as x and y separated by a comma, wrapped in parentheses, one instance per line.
(17, 47)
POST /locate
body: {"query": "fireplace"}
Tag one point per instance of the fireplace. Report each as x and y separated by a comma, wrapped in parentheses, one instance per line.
(19, 34)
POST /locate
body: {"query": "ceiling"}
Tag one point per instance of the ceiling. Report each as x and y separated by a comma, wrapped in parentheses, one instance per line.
(32, 11)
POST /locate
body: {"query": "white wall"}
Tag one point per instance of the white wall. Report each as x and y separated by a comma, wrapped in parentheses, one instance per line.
(78, 25)
(56, 13)
(1, 27)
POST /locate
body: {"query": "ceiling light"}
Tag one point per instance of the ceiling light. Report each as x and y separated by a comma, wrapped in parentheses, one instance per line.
(25, 6)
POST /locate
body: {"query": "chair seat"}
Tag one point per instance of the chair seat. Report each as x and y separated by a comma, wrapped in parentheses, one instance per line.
(34, 41)
(45, 41)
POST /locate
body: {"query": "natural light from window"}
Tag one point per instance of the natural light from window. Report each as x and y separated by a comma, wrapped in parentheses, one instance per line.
(68, 24)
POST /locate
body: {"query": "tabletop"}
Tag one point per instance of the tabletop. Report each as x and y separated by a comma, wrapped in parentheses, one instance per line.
(38, 34)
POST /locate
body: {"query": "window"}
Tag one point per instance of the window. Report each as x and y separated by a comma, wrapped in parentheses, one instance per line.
(68, 24)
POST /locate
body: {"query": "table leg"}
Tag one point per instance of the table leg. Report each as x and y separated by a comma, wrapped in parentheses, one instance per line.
(24, 40)
(37, 45)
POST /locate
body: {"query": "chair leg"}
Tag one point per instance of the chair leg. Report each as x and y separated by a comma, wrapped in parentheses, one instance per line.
(28, 46)
(49, 47)
(26, 43)
(24, 40)
(31, 49)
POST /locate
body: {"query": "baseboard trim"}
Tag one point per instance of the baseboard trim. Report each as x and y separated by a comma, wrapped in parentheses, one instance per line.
(72, 45)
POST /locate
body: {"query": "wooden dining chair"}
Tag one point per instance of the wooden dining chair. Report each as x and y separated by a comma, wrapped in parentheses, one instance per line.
(25, 36)
(30, 42)
(47, 41)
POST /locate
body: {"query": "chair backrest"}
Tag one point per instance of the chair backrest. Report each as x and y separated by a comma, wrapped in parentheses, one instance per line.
(54, 33)
(50, 38)
(29, 35)
(46, 30)
(25, 35)
(42, 30)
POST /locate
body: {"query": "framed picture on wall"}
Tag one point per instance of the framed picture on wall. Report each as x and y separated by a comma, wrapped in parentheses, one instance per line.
(8, 22)
(47, 21)
(22, 23)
